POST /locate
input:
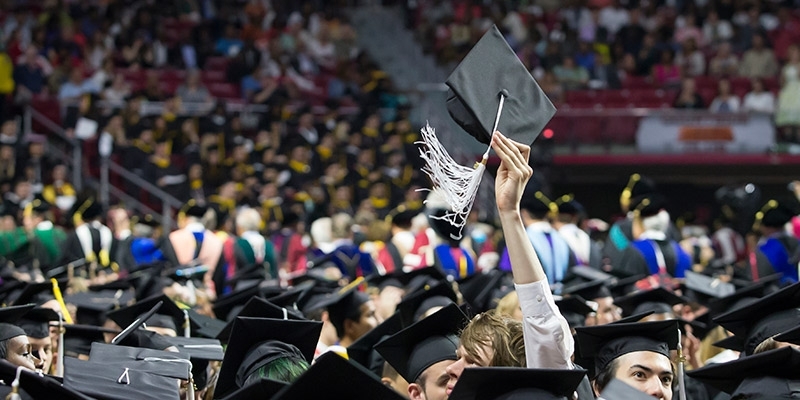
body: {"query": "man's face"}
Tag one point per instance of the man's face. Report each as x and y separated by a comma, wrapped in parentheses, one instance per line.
(647, 371)
(607, 312)
(366, 322)
(19, 353)
(432, 383)
(43, 350)
(483, 358)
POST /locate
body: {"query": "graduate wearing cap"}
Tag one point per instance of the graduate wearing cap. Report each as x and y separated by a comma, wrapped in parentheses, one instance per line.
(193, 243)
(160, 170)
(143, 246)
(46, 240)
(91, 240)
(551, 248)
(637, 354)
(777, 250)
(570, 214)
(503, 383)
(350, 311)
(594, 286)
(422, 352)
(15, 348)
(652, 251)
(36, 324)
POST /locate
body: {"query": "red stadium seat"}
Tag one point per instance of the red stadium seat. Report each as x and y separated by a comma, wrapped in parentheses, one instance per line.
(636, 82)
(216, 64)
(224, 90)
(211, 76)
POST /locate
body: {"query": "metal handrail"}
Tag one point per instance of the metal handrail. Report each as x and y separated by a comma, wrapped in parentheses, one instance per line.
(168, 202)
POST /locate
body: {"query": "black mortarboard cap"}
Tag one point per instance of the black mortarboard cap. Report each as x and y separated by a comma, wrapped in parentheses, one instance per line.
(599, 345)
(619, 390)
(483, 290)
(490, 69)
(702, 288)
(574, 309)
(761, 376)
(637, 187)
(78, 339)
(39, 292)
(207, 327)
(126, 315)
(625, 285)
(224, 304)
(737, 299)
(649, 204)
(774, 214)
(198, 348)
(12, 314)
(37, 386)
(36, 323)
(535, 201)
(588, 290)
(193, 208)
(257, 307)
(698, 329)
(38, 205)
(633, 318)
(508, 383)
(568, 205)
(422, 277)
(249, 333)
(414, 306)
(342, 303)
(135, 325)
(290, 298)
(262, 389)
(740, 320)
(362, 350)
(163, 363)
(340, 379)
(92, 307)
(8, 331)
(427, 342)
(658, 300)
(117, 381)
(790, 336)
(767, 325)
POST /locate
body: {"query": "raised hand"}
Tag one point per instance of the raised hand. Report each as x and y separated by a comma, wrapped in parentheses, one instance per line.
(513, 173)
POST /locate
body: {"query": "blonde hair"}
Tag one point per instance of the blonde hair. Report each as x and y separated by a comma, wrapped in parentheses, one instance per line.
(503, 334)
(508, 304)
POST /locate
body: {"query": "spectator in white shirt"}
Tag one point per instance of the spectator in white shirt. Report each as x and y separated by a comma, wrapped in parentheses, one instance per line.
(716, 31)
(759, 100)
(691, 59)
(725, 102)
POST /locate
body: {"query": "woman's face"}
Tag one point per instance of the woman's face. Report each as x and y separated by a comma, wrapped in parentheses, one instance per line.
(19, 353)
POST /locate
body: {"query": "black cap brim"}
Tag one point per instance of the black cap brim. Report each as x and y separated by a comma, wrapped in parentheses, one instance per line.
(492, 383)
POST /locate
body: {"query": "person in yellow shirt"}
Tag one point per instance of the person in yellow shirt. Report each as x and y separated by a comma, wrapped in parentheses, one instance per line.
(6, 81)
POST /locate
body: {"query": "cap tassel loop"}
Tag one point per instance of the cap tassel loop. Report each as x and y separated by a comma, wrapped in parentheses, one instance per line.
(458, 184)
(14, 395)
(125, 378)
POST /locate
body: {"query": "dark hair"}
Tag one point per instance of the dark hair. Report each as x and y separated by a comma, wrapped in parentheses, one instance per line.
(3, 349)
(606, 375)
(284, 369)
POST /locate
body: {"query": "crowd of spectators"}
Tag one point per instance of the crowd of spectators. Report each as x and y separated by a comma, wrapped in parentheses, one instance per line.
(330, 135)
(730, 55)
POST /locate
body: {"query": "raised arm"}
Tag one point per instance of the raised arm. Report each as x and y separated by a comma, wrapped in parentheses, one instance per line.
(512, 176)
(548, 342)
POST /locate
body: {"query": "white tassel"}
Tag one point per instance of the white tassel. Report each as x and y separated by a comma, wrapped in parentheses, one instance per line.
(458, 184)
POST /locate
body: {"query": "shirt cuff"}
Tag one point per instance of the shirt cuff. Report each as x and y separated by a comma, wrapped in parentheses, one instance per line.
(535, 299)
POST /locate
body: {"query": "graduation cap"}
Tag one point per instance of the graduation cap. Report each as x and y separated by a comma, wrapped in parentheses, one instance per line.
(193, 208)
(37, 386)
(8, 331)
(427, 342)
(619, 390)
(200, 352)
(574, 309)
(764, 327)
(78, 339)
(258, 308)
(207, 327)
(340, 379)
(658, 300)
(697, 328)
(85, 209)
(118, 381)
(741, 320)
(135, 324)
(648, 204)
(38, 206)
(600, 345)
(362, 350)
(768, 375)
(773, 214)
(420, 278)
(254, 342)
(535, 201)
(737, 299)
(36, 323)
(508, 383)
(342, 304)
(224, 304)
(12, 314)
(482, 290)
(159, 362)
(168, 316)
(264, 388)
(625, 285)
(415, 306)
(92, 307)
(568, 205)
(588, 290)
(39, 292)
(703, 288)
(637, 186)
(492, 69)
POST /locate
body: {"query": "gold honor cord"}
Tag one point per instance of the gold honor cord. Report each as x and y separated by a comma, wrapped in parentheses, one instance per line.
(60, 300)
